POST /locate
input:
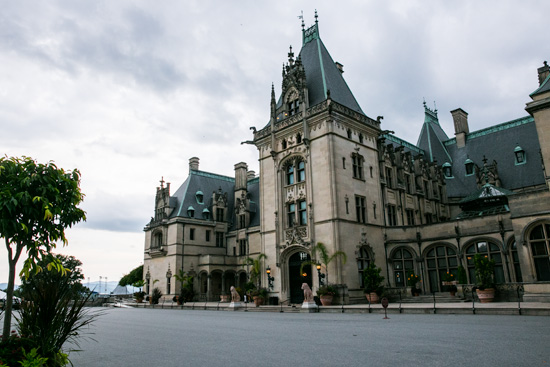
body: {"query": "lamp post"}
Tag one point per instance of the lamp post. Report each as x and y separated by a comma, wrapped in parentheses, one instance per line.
(270, 279)
(321, 275)
(147, 280)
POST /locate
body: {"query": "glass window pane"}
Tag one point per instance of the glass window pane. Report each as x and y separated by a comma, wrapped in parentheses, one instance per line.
(450, 251)
(472, 273)
(493, 247)
(431, 253)
(407, 254)
(397, 265)
(537, 233)
(431, 263)
(471, 250)
(409, 265)
(442, 263)
(470, 260)
(397, 254)
(497, 258)
(539, 248)
(452, 261)
(542, 266)
(499, 275)
(482, 247)
(440, 251)
(360, 264)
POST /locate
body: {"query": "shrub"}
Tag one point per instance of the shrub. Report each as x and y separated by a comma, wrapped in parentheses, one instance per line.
(326, 290)
(157, 294)
(373, 279)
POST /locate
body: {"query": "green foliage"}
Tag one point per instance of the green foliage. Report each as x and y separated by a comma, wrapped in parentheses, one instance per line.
(33, 359)
(412, 279)
(53, 312)
(448, 277)
(134, 276)
(261, 292)
(187, 292)
(157, 294)
(72, 274)
(461, 275)
(327, 290)
(320, 251)
(11, 349)
(255, 268)
(485, 270)
(372, 279)
(37, 203)
(139, 296)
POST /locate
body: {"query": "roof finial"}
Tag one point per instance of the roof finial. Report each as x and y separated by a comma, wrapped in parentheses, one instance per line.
(291, 56)
(301, 16)
(435, 108)
(424, 102)
(316, 16)
(162, 182)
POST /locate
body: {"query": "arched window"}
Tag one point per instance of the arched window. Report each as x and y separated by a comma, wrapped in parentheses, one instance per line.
(363, 262)
(290, 174)
(191, 211)
(301, 171)
(403, 265)
(515, 262)
(539, 243)
(487, 249)
(440, 260)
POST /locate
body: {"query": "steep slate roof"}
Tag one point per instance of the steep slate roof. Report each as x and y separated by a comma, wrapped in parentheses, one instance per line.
(497, 143)
(208, 183)
(432, 137)
(322, 74)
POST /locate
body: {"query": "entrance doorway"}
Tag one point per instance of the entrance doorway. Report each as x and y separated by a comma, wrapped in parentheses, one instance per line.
(296, 279)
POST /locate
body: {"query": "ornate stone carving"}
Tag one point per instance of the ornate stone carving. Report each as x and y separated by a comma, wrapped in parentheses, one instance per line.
(296, 235)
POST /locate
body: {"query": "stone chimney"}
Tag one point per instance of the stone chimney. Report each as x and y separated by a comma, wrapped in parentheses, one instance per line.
(193, 164)
(250, 175)
(460, 118)
(543, 73)
(340, 67)
(240, 176)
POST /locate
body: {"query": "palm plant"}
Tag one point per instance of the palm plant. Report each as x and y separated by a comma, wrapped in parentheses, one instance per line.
(321, 252)
(255, 268)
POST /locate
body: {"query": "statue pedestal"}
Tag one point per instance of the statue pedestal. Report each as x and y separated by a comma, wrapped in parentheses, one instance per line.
(309, 307)
(235, 305)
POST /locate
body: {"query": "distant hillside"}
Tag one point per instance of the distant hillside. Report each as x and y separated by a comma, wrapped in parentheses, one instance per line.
(94, 286)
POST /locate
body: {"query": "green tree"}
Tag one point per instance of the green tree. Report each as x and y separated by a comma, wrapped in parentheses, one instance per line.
(255, 268)
(133, 277)
(321, 252)
(37, 203)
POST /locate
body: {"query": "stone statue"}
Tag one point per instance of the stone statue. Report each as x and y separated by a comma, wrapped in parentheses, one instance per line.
(308, 294)
(235, 296)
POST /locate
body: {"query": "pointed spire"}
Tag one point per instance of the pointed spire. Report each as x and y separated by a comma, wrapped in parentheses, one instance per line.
(291, 56)
(273, 102)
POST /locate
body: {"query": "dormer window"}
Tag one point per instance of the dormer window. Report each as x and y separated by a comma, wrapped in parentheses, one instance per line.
(206, 214)
(469, 166)
(293, 107)
(520, 155)
(191, 212)
(447, 170)
(199, 196)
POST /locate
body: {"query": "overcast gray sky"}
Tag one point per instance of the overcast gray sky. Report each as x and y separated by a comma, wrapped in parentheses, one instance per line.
(128, 91)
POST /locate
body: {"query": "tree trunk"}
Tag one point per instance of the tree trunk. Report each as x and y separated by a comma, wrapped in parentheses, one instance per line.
(9, 291)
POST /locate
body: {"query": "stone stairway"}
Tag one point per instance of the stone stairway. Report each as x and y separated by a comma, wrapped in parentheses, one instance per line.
(429, 298)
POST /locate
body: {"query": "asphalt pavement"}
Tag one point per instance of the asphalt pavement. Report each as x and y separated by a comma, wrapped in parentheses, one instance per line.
(157, 337)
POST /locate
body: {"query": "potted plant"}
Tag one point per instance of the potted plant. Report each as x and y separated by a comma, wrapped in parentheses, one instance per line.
(326, 294)
(450, 282)
(373, 283)
(412, 281)
(155, 297)
(139, 296)
(259, 296)
(461, 275)
(484, 269)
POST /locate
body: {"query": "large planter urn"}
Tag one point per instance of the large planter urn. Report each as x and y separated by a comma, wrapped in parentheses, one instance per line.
(326, 300)
(486, 295)
(258, 301)
(372, 297)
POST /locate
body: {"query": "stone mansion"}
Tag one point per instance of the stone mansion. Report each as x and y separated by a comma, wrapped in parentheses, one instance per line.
(329, 173)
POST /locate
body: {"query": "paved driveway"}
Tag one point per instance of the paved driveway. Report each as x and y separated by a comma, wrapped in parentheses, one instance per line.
(153, 337)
